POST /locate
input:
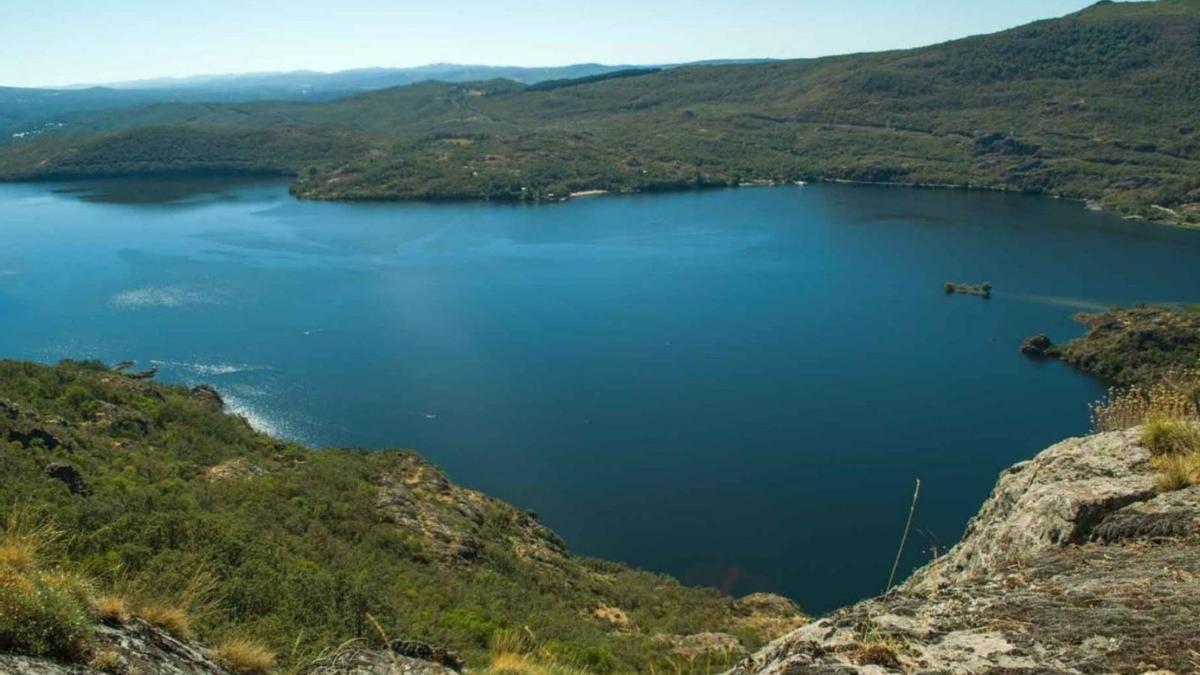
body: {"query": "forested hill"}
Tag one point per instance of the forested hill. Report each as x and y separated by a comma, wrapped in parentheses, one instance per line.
(1103, 104)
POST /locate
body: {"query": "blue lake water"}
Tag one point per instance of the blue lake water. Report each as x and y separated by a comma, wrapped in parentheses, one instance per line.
(736, 387)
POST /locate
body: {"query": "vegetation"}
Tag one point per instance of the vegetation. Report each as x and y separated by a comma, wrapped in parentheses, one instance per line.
(1103, 104)
(1152, 357)
(44, 611)
(1135, 346)
(243, 657)
(184, 516)
(1168, 413)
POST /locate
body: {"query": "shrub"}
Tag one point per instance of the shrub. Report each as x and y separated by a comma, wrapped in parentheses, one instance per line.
(243, 656)
(43, 615)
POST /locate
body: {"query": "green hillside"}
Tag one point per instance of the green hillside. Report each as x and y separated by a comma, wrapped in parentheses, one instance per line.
(1103, 104)
(165, 501)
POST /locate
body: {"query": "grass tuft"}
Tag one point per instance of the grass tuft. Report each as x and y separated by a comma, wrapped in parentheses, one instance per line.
(518, 653)
(107, 661)
(1169, 415)
(169, 618)
(243, 657)
(112, 609)
(877, 654)
(1177, 472)
(1164, 436)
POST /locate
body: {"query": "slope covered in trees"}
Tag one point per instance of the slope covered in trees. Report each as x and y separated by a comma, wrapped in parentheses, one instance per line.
(1103, 104)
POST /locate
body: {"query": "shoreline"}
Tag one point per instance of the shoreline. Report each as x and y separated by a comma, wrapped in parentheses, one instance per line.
(1089, 203)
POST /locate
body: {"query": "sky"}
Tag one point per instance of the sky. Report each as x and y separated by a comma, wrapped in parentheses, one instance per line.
(61, 42)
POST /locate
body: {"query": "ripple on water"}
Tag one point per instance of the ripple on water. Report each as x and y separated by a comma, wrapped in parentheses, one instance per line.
(157, 296)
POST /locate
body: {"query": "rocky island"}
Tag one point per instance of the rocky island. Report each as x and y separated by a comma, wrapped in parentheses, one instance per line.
(983, 290)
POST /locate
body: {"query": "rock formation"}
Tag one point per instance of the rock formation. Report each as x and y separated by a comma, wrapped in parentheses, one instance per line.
(1075, 564)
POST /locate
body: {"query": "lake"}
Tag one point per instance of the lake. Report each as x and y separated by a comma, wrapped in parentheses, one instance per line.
(736, 387)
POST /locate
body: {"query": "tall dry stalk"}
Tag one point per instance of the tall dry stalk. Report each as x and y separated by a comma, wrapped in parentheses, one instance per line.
(904, 538)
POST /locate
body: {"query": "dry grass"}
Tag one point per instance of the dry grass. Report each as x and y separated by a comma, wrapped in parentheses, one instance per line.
(1173, 398)
(112, 609)
(25, 541)
(1171, 436)
(527, 664)
(170, 618)
(1169, 414)
(1177, 472)
(517, 653)
(243, 657)
(107, 661)
(176, 607)
(877, 654)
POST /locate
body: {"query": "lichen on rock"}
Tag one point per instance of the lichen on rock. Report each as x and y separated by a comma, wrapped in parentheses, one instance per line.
(1074, 564)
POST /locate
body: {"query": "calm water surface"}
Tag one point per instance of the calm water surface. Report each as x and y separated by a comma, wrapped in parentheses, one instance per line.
(736, 387)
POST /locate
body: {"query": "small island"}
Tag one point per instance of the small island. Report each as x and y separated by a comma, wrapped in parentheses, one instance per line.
(983, 290)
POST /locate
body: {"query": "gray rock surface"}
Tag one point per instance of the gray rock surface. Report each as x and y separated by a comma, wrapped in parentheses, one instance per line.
(69, 476)
(138, 648)
(1073, 565)
(370, 662)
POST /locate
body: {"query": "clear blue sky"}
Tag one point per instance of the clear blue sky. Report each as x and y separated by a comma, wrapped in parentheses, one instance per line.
(55, 42)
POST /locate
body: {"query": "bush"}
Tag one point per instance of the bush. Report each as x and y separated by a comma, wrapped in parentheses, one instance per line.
(43, 615)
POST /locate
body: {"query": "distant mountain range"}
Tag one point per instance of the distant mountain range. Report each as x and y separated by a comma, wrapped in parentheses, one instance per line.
(308, 82)
(1102, 104)
(33, 110)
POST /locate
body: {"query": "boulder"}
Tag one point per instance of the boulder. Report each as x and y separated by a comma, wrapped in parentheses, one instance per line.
(1037, 345)
(360, 661)
(208, 396)
(69, 476)
(137, 647)
(1074, 564)
(698, 646)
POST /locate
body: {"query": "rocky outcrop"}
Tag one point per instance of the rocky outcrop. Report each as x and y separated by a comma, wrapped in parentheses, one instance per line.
(449, 520)
(69, 476)
(356, 661)
(232, 470)
(136, 647)
(208, 396)
(1073, 565)
(1037, 345)
(121, 419)
(698, 646)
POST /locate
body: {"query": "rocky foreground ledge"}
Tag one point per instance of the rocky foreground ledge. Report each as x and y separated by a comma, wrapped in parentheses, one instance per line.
(139, 648)
(1075, 564)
